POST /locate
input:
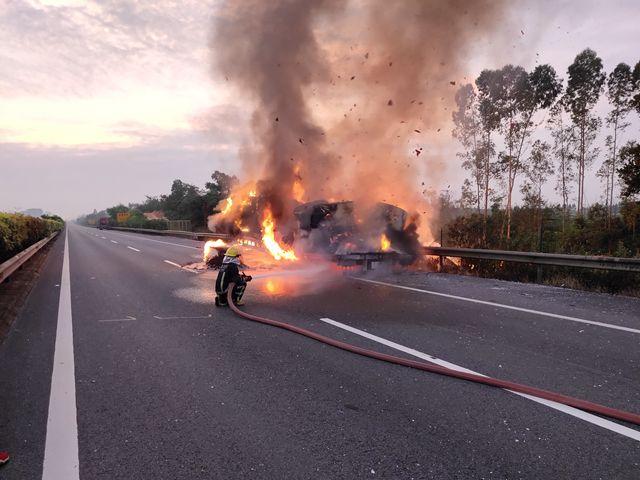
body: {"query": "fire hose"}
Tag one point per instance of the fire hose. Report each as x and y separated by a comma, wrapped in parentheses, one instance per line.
(428, 367)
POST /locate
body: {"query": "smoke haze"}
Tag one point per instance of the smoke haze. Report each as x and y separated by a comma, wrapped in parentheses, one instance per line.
(348, 96)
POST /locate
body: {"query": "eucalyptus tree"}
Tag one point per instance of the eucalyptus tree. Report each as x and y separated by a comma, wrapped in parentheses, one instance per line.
(488, 84)
(584, 86)
(516, 96)
(635, 101)
(564, 150)
(630, 169)
(629, 172)
(509, 99)
(532, 92)
(468, 131)
(620, 87)
(538, 168)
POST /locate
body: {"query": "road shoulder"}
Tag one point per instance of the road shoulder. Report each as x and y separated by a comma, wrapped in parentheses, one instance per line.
(26, 357)
(15, 290)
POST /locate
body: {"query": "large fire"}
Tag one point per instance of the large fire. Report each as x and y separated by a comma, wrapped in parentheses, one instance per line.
(269, 240)
(366, 157)
(237, 210)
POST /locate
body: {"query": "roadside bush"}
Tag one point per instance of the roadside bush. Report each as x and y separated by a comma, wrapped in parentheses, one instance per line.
(138, 220)
(18, 232)
(157, 224)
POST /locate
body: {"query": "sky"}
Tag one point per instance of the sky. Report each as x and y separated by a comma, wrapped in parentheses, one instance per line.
(106, 102)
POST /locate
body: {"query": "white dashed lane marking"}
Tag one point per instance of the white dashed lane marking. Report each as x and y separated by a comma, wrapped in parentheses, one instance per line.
(587, 417)
(501, 305)
(139, 237)
(128, 318)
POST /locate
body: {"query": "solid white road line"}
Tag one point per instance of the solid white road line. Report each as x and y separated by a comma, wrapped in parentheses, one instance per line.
(157, 241)
(61, 444)
(501, 305)
(180, 266)
(587, 417)
(127, 319)
(134, 249)
(113, 241)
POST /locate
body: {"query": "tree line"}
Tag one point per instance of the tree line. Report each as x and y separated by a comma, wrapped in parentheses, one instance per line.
(184, 202)
(496, 121)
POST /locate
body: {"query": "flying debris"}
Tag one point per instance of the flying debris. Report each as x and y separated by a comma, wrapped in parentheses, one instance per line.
(296, 75)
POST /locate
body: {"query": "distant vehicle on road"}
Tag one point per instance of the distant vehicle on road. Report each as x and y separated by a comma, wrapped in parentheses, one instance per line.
(103, 223)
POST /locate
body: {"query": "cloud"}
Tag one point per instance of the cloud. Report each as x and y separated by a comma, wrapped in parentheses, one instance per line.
(72, 73)
(71, 48)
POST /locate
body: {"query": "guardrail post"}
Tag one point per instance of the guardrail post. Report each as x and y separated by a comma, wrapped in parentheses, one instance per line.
(440, 263)
(366, 264)
(538, 273)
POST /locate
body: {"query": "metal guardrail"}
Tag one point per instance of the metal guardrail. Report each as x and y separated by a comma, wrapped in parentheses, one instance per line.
(173, 233)
(366, 259)
(535, 258)
(15, 262)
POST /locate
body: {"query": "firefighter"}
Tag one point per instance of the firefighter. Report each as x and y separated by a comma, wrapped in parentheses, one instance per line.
(230, 273)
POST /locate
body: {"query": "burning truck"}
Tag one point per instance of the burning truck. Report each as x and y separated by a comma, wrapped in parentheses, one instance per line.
(336, 228)
(318, 227)
(359, 123)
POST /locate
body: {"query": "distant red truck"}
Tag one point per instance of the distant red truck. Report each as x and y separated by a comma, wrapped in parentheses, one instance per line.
(103, 223)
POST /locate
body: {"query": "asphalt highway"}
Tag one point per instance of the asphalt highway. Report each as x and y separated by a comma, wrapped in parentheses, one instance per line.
(122, 368)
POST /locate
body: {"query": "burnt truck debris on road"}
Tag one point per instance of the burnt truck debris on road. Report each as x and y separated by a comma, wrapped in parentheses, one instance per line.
(349, 234)
(334, 227)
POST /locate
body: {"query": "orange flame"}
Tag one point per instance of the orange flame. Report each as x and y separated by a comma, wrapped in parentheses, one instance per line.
(275, 287)
(227, 207)
(298, 191)
(385, 243)
(270, 286)
(238, 223)
(297, 188)
(457, 261)
(269, 240)
(211, 244)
